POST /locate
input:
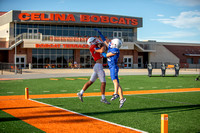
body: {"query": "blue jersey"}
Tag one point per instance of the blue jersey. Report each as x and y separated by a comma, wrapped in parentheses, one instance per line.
(112, 60)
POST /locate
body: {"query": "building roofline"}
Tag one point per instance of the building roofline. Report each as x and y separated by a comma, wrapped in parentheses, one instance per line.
(76, 12)
(170, 43)
(6, 13)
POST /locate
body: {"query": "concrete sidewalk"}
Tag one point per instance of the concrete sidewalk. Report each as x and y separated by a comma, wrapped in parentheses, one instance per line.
(53, 73)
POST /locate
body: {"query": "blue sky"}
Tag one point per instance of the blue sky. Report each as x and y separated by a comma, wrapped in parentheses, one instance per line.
(163, 20)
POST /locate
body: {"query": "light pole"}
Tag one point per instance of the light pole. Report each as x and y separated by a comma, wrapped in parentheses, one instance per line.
(15, 46)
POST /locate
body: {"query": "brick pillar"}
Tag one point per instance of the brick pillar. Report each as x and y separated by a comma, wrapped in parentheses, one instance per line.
(77, 55)
(11, 56)
(135, 59)
(29, 55)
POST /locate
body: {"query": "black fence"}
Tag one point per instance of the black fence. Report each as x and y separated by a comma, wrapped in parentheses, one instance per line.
(9, 67)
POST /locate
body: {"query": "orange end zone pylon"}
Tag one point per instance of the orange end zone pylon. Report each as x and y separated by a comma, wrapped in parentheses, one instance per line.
(164, 123)
(26, 93)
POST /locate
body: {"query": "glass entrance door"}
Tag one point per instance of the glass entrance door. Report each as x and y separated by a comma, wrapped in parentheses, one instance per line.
(21, 61)
(117, 34)
(128, 62)
(33, 33)
(140, 62)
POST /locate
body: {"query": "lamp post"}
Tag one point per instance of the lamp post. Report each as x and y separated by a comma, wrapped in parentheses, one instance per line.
(15, 22)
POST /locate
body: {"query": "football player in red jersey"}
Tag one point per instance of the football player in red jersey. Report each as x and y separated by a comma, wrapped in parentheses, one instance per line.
(96, 51)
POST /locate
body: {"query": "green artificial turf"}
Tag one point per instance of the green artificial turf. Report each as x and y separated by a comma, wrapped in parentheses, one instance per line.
(142, 112)
(128, 83)
(10, 124)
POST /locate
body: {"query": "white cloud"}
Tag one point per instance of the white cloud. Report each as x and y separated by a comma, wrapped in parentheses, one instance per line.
(160, 15)
(190, 19)
(187, 2)
(174, 36)
(61, 1)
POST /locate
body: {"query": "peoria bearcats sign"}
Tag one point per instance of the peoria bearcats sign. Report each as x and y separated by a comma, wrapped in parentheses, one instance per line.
(81, 18)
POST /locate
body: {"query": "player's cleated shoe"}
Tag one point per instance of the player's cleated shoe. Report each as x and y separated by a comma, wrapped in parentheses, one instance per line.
(80, 96)
(122, 102)
(104, 101)
(114, 96)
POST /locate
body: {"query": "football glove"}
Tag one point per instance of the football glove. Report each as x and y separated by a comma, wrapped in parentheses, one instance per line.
(100, 34)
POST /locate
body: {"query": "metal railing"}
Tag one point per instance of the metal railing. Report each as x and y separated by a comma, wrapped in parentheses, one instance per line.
(63, 38)
(49, 38)
(147, 46)
(10, 67)
(52, 38)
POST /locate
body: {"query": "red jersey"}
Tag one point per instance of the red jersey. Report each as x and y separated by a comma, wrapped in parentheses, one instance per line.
(95, 55)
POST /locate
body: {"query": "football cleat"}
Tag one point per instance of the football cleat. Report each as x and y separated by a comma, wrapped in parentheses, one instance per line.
(80, 96)
(104, 101)
(114, 96)
(122, 102)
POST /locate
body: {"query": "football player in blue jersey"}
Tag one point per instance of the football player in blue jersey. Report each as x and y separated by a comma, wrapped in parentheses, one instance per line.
(112, 59)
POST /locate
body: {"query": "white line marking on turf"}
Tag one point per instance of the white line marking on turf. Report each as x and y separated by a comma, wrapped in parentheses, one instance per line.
(154, 87)
(96, 89)
(111, 89)
(126, 88)
(141, 87)
(10, 92)
(63, 90)
(90, 116)
(46, 91)
(168, 87)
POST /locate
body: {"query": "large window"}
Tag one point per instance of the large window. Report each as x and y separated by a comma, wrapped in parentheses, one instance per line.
(86, 59)
(190, 60)
(79, 31)
(52, 58)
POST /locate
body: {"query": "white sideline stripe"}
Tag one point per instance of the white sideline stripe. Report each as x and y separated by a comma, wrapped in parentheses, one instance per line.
(126, 88)
(90, 117)
(46, 91)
